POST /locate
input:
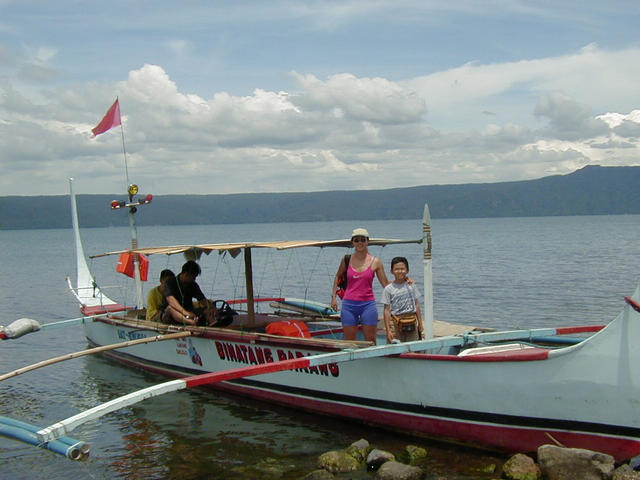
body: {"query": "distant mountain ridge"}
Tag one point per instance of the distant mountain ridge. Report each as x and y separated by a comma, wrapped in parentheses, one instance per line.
(592, 190)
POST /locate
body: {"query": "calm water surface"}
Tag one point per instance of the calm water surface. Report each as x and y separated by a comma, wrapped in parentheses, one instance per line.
(515, 272)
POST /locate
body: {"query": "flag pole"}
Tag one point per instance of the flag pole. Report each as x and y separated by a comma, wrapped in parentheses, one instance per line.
(132, 223)
(124, 152)
(111, 119)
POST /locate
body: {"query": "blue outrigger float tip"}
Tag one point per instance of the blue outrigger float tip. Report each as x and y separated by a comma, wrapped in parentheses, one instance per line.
(25, 432)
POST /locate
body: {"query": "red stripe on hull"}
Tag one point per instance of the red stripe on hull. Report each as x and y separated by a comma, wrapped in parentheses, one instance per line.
(506, 439)
(584, 329)
(259, 299)
(503, 438)
(633, 303)
(101, 309)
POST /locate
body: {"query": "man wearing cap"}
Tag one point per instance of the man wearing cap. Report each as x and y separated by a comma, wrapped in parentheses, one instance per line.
(359, 303)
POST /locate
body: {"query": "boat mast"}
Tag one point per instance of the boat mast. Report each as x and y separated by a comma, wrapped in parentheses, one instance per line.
(428, 280)
(132, 205)
(134, 244)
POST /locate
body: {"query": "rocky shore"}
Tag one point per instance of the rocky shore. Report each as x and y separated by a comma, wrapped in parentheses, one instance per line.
(360, 460)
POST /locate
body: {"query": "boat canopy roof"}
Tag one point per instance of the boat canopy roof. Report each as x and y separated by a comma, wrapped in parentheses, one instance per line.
(235, 248)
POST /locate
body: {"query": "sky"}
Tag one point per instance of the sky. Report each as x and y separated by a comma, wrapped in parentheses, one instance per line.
(298, 95)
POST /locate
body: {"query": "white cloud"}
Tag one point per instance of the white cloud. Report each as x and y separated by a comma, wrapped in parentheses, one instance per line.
(370, 99)
(614, 119)
(511, 88)
(341, 132)
(332, 164)
(567, 118)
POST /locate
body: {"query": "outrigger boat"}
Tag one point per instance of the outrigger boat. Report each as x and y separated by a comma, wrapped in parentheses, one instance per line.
(505, 390)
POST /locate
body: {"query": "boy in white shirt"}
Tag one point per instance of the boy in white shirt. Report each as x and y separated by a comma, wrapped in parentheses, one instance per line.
(401, 300)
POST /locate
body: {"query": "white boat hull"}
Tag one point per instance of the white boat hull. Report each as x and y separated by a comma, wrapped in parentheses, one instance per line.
(585, 396)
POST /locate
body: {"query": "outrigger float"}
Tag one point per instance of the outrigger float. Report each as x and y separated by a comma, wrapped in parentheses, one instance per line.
(505, 390)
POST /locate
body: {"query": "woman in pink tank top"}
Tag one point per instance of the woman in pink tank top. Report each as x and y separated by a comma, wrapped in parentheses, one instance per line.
(359, 303)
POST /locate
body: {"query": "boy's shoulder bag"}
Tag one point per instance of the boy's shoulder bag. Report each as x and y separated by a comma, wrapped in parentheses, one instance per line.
(405, 322)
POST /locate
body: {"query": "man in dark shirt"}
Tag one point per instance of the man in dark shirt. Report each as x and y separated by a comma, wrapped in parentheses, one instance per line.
(179, 293)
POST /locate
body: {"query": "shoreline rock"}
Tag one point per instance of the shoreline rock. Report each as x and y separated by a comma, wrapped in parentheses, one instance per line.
(521, 467)
(560, 463)
(553, 463)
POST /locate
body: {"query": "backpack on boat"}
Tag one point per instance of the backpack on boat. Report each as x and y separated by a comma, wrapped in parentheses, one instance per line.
(224, 314)
(342, 284)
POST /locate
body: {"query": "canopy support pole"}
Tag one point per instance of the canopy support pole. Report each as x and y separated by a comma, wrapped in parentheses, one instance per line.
(248, 272)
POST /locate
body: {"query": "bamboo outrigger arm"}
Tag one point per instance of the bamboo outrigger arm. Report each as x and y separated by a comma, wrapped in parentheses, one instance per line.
(64, 426)
(90, 351)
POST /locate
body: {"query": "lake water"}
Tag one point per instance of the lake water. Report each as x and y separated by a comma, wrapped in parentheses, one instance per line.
(507, 272)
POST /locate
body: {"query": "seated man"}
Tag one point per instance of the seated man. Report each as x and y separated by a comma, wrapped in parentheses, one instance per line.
(179, 293)
(156, 297)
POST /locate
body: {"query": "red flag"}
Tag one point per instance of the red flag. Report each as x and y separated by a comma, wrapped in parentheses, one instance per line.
(111, 119)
